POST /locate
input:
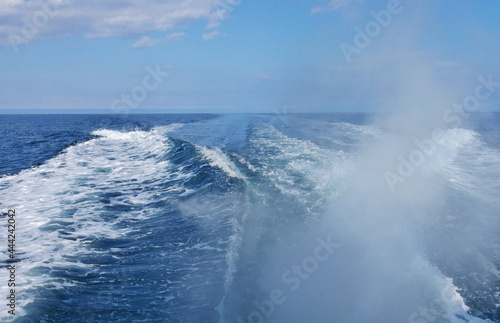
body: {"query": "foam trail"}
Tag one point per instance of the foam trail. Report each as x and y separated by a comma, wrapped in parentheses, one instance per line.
(218, 159)
(381, 272)
(60, 203)
(296, 167)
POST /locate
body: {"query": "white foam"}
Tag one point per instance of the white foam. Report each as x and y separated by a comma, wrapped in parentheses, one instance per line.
(452, 142)
(462, 159)
(67, 191)
(355, 130)
(298, 168)
(169, 128)
(454, 304)
(217, 158)
(246, 163)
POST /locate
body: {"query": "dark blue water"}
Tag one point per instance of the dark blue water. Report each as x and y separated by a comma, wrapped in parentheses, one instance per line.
(218, 218)
(29, 140)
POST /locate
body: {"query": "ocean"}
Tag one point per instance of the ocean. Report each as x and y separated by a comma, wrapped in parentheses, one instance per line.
(248, 218)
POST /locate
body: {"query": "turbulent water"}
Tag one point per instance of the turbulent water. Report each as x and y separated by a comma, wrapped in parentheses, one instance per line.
(250, 218)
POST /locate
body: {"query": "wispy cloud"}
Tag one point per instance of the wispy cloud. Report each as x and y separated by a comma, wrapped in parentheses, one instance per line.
(144, 42)
(221, 11)
(147, 41)
(175, 36)
(211, 35)
(96, 18)
(332, 6)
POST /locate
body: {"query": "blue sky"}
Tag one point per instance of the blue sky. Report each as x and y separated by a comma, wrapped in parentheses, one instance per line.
(238, 56)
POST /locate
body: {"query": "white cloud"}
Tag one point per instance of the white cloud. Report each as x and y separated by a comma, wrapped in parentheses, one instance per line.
(210, 36)
(216, 17)
(332, 6)
(25, 21)
(175, 36)
(147, 41)
(221, 11)
(144, 42)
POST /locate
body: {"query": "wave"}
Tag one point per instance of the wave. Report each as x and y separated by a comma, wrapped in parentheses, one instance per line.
(62, 203)
(470, 164)
(211, 231)
(297, 168)
(101, 190)
(385, 269)
(218, 159)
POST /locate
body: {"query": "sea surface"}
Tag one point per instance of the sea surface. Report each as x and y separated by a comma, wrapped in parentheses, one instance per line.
(249, 218)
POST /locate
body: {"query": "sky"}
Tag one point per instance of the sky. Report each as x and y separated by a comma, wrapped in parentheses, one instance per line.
(224, 56)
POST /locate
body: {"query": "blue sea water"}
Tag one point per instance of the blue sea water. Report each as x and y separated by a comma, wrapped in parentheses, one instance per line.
(249, 218)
